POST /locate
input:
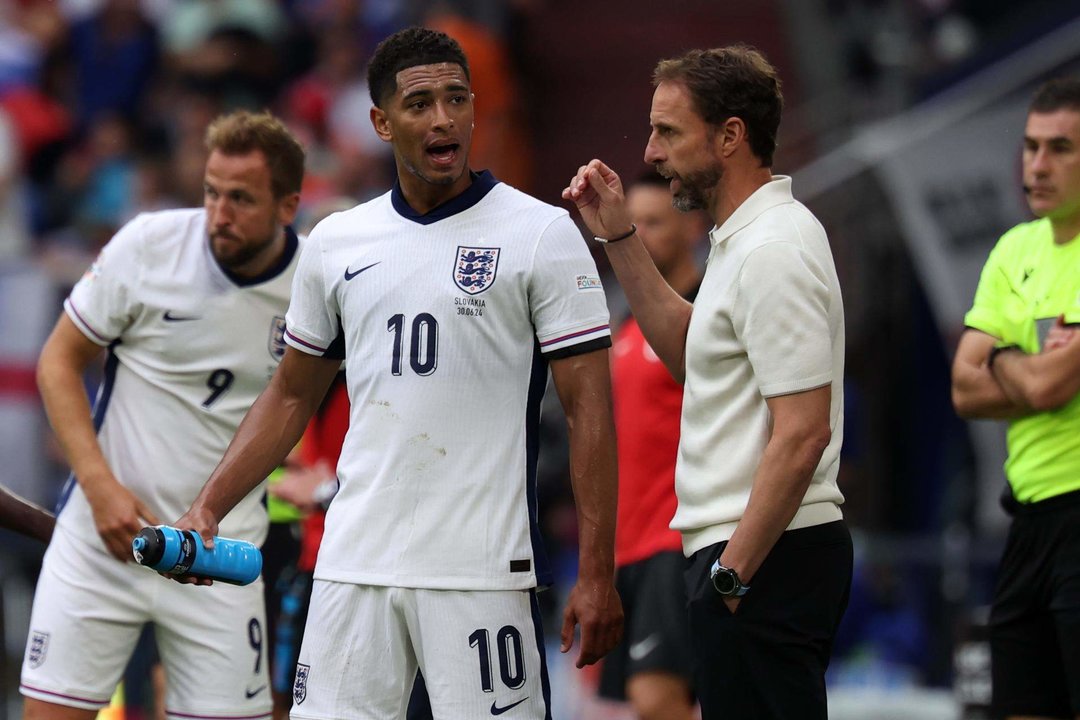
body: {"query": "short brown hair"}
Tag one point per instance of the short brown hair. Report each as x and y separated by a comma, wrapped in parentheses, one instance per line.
(241, 132)
(1057, 94)
(734, 81)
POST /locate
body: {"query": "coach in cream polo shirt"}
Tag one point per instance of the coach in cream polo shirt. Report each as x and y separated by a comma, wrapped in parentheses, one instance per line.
(772, 253)
(761, 356)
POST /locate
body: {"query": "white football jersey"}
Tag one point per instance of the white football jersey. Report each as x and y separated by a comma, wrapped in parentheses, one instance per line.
(190, 348)
(446, 322)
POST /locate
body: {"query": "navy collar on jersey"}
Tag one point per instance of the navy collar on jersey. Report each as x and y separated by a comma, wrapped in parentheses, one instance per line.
(291, 244)
(482, 183)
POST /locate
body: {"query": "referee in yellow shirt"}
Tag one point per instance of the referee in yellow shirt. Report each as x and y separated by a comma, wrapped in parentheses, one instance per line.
(1019, 360)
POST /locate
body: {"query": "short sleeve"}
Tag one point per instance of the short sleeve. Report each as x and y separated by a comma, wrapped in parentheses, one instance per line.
(987, 313)
(566, 298)
(103, 303)
(781, 315)
(313, 321)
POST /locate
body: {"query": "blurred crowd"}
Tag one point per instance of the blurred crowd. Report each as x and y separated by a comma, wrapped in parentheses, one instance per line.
(103, 104)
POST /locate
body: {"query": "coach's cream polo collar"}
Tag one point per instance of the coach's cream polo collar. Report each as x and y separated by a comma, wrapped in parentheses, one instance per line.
(775, 192)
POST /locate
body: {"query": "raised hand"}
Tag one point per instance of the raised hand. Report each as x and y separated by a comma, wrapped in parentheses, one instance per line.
(597, 192)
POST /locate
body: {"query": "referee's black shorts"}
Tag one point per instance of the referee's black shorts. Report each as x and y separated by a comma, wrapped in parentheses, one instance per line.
(656, 638)
(1035, 618)
(767, 661)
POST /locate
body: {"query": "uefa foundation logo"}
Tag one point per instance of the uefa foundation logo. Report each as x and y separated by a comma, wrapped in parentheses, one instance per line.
(39, 648)
(299, 688)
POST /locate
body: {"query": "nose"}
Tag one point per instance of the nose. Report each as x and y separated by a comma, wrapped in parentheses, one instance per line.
(1038, 162)
(442, 117)
(653, 154)
(219, 212)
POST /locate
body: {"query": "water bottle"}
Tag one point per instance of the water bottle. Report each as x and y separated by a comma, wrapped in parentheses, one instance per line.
(181, 552)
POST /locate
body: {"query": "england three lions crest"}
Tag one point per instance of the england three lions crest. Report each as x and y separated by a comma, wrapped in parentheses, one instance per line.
(276, 343)
(39, 648)
(299, 689)
(474, 271)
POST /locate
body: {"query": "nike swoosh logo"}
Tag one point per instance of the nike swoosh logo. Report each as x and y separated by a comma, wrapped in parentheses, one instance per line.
(252, 693)
(641, 649)
(169, 317)
(350, 275)
(496, 710)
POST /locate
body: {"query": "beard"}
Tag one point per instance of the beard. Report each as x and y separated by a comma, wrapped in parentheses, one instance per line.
(232, 256)
(696, 189)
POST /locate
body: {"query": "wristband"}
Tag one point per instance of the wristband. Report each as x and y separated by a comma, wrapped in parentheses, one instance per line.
(628, 233)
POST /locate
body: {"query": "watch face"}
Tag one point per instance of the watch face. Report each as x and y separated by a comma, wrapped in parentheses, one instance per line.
(724, 581)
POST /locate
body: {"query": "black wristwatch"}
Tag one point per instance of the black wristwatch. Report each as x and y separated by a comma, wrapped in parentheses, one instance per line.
(726, 581)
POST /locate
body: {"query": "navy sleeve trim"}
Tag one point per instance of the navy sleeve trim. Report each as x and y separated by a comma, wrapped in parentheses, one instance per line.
(579, 349)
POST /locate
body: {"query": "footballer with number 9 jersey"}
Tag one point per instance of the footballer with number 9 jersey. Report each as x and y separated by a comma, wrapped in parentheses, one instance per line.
(189, 306)
(449, 297)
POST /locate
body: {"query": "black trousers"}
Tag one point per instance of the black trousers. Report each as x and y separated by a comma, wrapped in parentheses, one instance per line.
(767, 661)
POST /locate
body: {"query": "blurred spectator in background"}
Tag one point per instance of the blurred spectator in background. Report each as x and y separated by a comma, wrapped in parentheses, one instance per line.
(114, 56)
(29, 31)
(501, 132)
(1019, 360)
(227, 48)
(652, 664)
(330, 107)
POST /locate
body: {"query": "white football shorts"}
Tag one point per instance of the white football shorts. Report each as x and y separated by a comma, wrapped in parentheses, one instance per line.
(481, 653)
(89, 609)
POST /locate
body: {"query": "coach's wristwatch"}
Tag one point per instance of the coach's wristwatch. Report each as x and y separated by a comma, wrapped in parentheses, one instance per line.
(726, 581)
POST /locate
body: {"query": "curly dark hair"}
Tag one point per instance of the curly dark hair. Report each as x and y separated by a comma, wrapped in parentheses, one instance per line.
(405, 49)
(1057, 94)
(734, 81)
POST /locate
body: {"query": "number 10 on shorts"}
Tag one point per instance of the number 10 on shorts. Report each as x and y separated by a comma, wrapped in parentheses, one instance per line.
(511, 660)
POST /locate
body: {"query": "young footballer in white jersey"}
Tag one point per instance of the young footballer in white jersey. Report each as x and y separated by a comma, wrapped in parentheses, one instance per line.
(190, 307)
(448, 298)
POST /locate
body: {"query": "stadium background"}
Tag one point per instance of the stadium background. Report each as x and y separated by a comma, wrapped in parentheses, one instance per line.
(902, 128)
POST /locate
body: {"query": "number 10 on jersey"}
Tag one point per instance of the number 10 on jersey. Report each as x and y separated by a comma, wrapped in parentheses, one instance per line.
(423, 341)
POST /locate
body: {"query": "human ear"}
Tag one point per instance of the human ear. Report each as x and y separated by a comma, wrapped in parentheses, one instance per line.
(381, 122)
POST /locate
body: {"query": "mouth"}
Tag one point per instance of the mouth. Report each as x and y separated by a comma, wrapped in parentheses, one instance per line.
(223, 237)
(671, 177)
(443, 154)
